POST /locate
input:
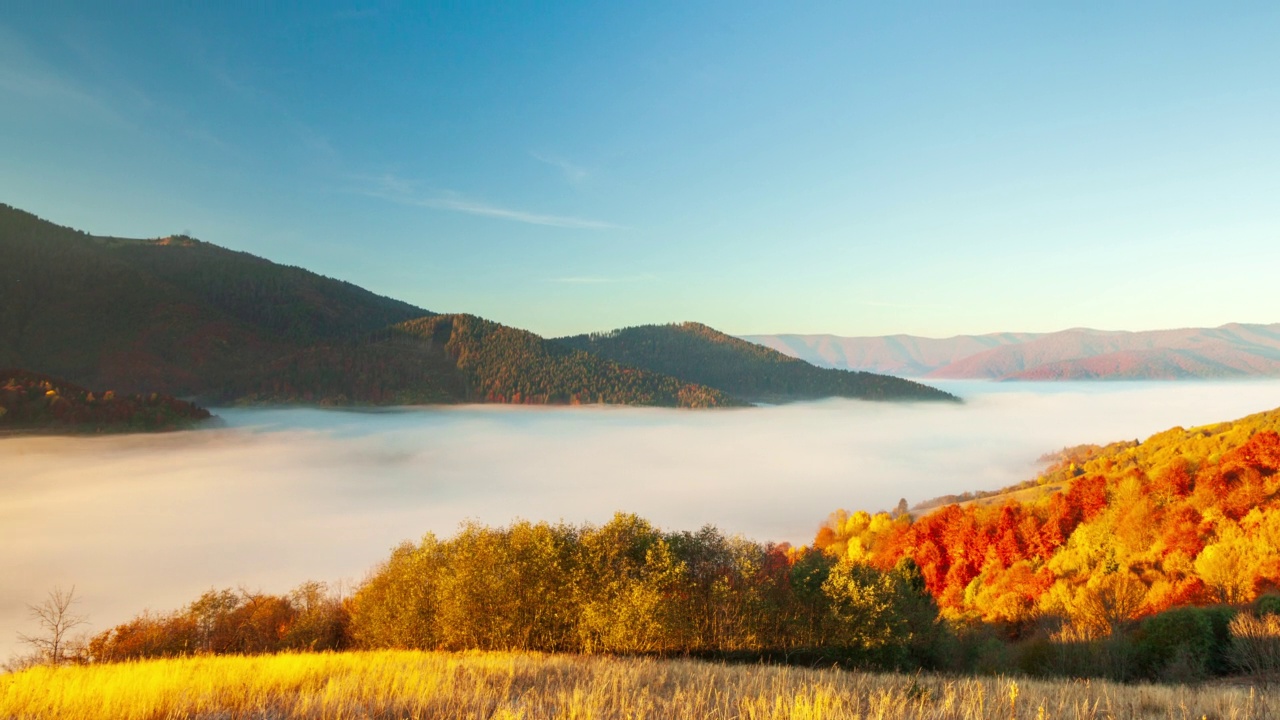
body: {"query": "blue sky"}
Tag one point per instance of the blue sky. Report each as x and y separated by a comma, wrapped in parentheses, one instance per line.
(853, 168)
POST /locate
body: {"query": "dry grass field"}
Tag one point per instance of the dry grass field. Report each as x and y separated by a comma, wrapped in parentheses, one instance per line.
(395, 684)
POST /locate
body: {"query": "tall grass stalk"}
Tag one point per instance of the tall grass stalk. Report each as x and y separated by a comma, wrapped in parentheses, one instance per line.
(403, 684)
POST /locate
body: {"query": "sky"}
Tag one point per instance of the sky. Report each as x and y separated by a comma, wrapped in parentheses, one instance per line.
(848, 168)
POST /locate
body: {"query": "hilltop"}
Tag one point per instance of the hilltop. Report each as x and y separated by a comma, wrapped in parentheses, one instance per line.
(743, 369)
(185, 317)
(464, 358)
(173, 315)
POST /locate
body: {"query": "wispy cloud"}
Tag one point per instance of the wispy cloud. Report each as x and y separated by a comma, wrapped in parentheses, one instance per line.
(24, 73)
(572, 172)
(398, 190)
(461, 204)
(267, 107)
(601, 280)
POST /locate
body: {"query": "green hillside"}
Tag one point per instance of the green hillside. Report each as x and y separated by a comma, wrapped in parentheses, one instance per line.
(172, 315)
(464, 358)
(184, 317)
(704, 355)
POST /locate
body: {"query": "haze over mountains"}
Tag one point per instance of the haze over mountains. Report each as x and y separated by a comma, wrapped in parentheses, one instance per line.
(1231, 351)
(180, 316)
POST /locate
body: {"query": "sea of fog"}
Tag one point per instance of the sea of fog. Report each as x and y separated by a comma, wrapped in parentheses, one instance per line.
(278, 496)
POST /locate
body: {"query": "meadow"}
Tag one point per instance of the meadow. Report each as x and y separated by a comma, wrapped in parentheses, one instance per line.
(413, 684)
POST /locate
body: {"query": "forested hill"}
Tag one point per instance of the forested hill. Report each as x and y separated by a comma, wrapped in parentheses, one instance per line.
(704, 355)
(179, 316)
(1186, 517)
(464, 358)
(172, 315)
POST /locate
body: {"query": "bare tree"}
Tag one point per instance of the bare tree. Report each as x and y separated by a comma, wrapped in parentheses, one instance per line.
(56, 622)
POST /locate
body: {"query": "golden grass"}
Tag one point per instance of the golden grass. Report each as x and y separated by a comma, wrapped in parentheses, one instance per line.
(401, 684)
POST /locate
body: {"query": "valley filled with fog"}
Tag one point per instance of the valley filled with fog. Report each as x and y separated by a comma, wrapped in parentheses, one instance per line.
(278, 496)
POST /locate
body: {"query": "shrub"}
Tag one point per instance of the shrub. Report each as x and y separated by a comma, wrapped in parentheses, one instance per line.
(1268, 604)
(1176, 645)
(1220, 617)
(1255, 643)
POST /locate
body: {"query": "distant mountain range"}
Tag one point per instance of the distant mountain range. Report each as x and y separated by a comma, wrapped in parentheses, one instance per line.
(179, 316)
(1231, 351)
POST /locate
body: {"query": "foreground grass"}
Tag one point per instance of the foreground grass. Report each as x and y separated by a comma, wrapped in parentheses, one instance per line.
(394, 684)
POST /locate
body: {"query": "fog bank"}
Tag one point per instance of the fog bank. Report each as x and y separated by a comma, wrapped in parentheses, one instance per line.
(281, 496)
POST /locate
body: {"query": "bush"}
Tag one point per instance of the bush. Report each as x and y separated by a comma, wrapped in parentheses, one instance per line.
(1220, 617)
(1039, 656)
(1176, 645)
(1268, 604)
(979, 649)
(1255, 643)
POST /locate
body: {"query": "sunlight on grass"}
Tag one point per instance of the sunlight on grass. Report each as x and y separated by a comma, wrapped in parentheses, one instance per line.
(402, 684)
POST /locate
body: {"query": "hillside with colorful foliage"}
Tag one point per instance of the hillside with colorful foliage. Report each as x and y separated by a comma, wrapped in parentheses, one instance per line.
(1186, 517)
(31, 401)
(1154, 560)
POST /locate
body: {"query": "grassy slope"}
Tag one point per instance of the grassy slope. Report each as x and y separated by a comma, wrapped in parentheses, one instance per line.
(403, 684)
(704, 355)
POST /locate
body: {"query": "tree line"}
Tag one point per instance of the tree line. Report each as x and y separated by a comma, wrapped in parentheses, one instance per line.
(622, 587)
(34, 401)
(627, 587)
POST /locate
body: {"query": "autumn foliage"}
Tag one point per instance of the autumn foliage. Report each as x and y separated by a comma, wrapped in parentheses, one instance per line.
(1139, 560)
(625, 587)
(1188, 517)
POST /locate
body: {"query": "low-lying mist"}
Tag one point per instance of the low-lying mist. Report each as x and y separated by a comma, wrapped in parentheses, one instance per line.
(284, 495)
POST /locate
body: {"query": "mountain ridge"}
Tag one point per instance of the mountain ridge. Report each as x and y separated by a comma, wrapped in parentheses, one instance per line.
(1233, 350)
(748, 370)
(188, 318)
